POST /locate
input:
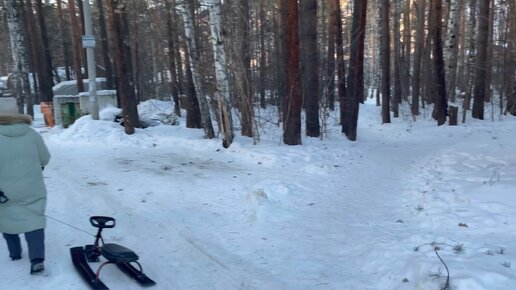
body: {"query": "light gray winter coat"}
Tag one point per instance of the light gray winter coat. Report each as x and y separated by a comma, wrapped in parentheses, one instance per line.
(22, 156)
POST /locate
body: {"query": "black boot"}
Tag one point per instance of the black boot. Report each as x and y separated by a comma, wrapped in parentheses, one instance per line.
(36, 266)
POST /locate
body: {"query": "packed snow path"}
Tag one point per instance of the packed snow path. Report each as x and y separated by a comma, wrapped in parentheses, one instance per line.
(330, 214)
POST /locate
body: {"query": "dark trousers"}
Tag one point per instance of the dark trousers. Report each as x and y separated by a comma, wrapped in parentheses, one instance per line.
(35, 244)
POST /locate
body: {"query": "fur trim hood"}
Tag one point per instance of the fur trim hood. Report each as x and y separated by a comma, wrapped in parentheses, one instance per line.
(14, 125)
(11, 119)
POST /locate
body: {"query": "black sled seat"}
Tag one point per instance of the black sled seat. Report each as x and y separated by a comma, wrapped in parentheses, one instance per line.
(116, 253)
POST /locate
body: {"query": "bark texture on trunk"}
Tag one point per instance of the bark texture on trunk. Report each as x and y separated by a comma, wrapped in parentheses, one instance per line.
(310, 66)
(19, 49)
(292, 100)
(440, 111)
(195, 67)
(221, 75)
(355, 89)
(122, 53)
(385, 58)
(479, 91)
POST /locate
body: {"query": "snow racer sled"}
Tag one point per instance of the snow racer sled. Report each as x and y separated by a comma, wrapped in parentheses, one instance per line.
(116, 254)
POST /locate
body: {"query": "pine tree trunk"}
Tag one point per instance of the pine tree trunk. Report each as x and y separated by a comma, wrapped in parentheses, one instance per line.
(64, 36)
(76, 45)
(385, 57)
(440, 111)
(241, 64)
(479, 91)
(193, 110)
(45, 86)
(489, 57)
(407, 50)
(355, 88)
(263, 56)
(174, 86)
(373, 72)
(80, 32)
(341, 65)
(396, 97)
(122, 54)
(104, 45)
(471, 57)
(292, 102)
(154, 67)
(511, 85)
(178, 50)
(418, 52)
(330, 66)
(428, 69)
(461, 58)
(247, 108)
(310, 66)
(281, 52)
(140, 85)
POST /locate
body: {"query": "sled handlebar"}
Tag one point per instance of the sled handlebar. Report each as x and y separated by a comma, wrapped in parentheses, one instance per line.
(102, 222)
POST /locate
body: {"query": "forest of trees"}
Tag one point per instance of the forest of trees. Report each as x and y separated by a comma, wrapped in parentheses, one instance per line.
(224, 60)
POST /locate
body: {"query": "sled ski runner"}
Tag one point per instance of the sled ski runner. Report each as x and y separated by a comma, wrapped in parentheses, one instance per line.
(116, 254)
(135, 274)
(81, 265)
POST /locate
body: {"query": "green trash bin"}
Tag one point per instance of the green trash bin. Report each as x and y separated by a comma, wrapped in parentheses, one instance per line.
(70, 112)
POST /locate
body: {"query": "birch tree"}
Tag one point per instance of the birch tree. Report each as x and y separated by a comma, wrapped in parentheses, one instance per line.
(195, 66)
(451, 49)
(221, 75)
(19, 49)
(33, 46)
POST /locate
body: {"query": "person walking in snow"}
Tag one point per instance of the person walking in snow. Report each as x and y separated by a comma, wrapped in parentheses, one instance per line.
(23, 195)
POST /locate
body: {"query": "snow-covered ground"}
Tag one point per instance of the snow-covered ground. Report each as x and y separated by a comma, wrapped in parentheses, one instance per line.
(374, 214)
